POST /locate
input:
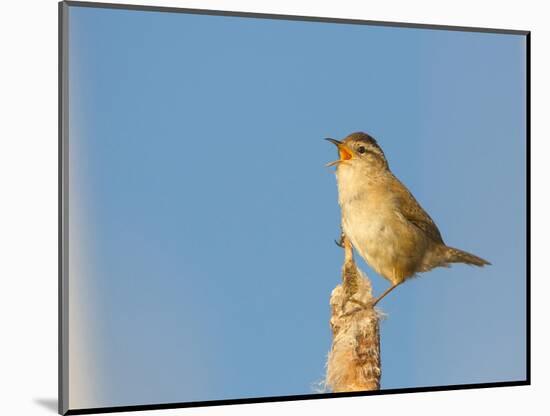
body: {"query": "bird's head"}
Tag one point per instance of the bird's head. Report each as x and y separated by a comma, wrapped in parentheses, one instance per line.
(359, 150)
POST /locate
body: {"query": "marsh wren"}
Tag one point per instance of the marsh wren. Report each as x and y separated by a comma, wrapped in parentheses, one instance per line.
(382, 219)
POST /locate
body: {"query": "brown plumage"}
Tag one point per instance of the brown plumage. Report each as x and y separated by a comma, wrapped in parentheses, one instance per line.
(383, 220)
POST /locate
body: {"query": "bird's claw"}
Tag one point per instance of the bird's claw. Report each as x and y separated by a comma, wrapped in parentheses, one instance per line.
(358, 302)
(362, 306)
(340, 242)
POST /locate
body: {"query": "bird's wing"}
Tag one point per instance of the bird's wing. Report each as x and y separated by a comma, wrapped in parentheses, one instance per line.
(411, 210)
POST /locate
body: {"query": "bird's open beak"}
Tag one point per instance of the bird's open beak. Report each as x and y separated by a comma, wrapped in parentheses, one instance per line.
(343, 151)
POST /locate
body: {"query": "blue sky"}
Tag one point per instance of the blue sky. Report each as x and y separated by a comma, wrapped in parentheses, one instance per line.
(206, 219)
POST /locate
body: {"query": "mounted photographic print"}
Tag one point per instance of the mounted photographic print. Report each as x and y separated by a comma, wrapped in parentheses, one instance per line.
(265, 208)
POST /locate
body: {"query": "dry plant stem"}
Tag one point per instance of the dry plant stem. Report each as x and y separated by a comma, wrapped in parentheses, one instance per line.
(354, 360)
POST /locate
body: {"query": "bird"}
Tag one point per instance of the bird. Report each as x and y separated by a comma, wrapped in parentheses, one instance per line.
(382, 219)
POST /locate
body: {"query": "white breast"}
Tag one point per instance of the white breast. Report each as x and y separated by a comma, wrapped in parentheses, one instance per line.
(368, 221)
(370, 231)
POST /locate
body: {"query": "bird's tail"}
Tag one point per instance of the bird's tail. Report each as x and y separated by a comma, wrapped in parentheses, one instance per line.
(454, 255)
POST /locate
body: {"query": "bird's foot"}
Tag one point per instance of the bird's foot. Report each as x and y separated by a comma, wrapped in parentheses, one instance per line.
(358, 302)
(361, 304)
(340, 241)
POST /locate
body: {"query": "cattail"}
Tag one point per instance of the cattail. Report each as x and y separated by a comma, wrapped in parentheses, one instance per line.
(354, 360)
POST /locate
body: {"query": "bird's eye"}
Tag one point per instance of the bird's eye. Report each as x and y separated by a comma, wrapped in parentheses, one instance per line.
(361, 149)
